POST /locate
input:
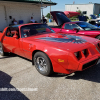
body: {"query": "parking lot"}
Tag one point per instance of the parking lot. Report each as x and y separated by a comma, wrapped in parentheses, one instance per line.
(18, 72)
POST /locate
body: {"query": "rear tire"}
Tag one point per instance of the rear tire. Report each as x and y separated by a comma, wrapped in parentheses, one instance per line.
(98, 37)
(2, 53)
(43, 64)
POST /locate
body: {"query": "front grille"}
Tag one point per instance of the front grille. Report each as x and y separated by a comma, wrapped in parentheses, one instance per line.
(85, 52)
(89, 64)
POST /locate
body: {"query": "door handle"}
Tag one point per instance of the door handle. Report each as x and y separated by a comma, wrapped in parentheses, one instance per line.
(4, 39)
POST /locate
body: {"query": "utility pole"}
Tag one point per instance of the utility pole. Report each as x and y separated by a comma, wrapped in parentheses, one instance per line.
(42, 11)
(50, 10)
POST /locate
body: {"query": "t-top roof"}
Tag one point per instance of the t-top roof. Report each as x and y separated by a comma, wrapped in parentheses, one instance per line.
(33, 1)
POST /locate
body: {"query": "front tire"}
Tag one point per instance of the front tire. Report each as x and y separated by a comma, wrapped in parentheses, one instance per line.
(43, 64)
(2, 53)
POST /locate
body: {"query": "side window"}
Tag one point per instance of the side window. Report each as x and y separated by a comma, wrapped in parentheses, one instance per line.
(8, 32)
(68, 26)
(25, 32)
(11, 33)
(72, 26)
(75, 26)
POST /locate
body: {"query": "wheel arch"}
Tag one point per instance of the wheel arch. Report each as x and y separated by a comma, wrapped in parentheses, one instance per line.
(35, 51)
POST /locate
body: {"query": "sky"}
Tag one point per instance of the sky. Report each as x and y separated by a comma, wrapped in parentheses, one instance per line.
(61, 4)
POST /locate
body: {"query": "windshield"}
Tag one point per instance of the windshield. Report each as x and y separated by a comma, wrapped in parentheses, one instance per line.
(87, 26)
(35, 29)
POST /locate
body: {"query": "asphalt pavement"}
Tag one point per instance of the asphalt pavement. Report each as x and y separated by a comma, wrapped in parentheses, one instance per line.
(17, 72)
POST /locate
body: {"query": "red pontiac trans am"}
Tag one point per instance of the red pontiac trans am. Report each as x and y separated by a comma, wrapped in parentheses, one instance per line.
(49, 51)
(80, 28)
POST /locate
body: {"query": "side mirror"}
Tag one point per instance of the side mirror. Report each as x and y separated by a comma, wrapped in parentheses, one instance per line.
(75, 29)
(15, 36)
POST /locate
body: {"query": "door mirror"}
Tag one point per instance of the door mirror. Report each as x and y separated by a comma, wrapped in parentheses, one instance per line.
(75, 29)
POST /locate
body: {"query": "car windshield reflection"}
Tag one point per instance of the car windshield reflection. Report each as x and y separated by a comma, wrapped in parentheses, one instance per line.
(35, 29)
(87, 26)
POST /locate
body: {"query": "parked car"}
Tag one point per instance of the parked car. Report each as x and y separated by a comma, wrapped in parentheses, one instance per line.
(50, 51)
(77, 27)
(94, 21)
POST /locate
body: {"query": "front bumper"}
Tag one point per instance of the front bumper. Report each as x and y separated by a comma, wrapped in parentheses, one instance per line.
(88, 63)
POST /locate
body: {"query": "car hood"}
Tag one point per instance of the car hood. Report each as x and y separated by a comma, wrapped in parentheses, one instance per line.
(60, 17)
(63, 41)
(70, 14)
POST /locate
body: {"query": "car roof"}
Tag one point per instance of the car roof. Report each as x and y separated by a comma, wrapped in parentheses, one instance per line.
(19, 25)
(29, 24)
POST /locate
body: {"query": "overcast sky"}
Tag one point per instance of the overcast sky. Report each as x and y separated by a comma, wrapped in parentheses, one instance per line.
(61, 4)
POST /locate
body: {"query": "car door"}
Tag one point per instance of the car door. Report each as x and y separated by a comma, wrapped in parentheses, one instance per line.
(12, 44)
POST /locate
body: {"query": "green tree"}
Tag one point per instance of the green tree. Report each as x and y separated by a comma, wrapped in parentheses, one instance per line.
(48, 15)
(80, 12)
(77, 15)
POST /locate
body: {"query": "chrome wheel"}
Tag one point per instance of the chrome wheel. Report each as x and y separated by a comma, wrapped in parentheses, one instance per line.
(41, 64)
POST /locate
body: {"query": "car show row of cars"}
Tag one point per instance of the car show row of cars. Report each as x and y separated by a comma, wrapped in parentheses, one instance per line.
(65, 49)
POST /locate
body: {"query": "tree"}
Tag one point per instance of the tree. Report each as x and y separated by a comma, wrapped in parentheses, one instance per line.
(48, 15)
(80, 12)
(77, 15)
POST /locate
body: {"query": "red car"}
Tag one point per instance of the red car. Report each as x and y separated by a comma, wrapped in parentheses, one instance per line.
(80, 28)
(49, 51)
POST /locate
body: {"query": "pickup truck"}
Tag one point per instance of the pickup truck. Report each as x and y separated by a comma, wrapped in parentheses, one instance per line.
(49, 51)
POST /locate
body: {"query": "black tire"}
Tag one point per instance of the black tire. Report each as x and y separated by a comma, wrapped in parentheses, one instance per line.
(2, 53)
(43, 64)
(98, 37)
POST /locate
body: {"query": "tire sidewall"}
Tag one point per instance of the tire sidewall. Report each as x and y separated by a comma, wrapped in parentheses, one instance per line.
(47, 60)
(2, 54)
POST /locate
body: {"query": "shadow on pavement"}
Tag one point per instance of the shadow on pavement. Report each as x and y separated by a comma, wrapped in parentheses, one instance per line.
(90, 74)
(9, 95)
(8, 55)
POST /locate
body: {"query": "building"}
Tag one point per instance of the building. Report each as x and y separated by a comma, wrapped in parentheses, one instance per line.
(21, 10)
(88, 9)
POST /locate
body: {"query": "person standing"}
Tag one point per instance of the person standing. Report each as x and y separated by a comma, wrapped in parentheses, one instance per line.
(44, 20)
